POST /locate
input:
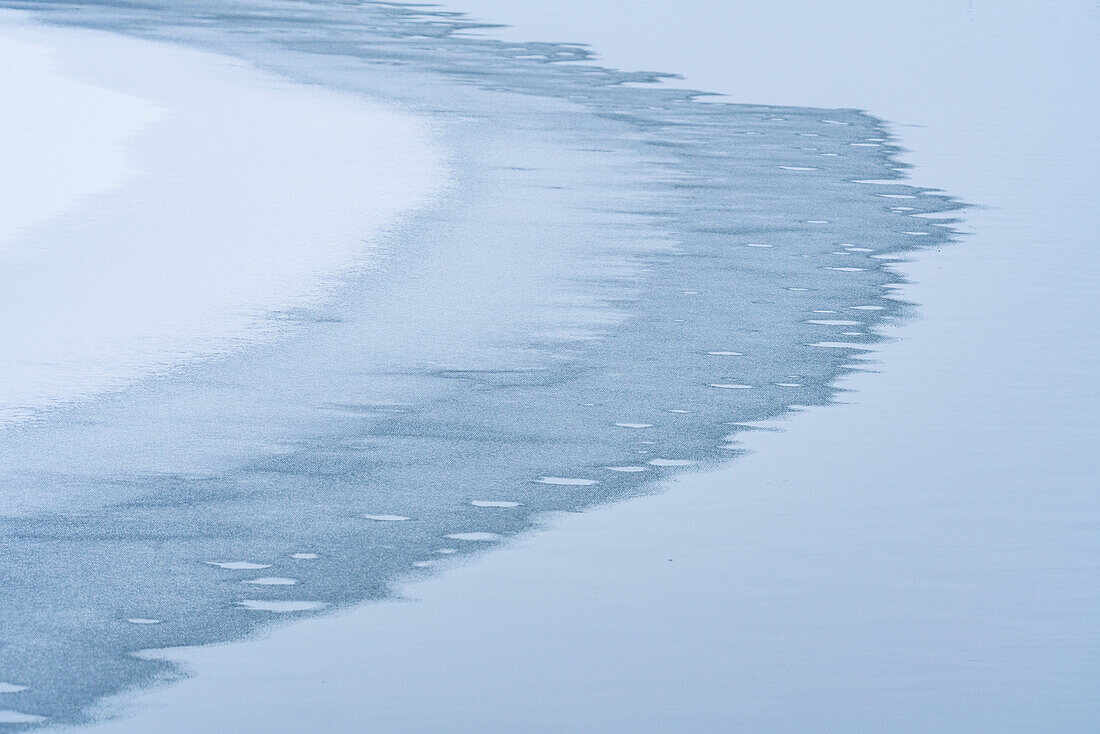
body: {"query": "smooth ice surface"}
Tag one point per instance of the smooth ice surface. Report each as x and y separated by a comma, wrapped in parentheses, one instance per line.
(923, 558)
(198, 197)
(64, 137)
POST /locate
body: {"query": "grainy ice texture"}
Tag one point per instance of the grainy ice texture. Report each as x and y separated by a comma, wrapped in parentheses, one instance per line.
(615, 278)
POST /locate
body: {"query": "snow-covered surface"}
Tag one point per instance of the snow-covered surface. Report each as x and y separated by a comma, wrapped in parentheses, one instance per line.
(169, 201)
(922, 559)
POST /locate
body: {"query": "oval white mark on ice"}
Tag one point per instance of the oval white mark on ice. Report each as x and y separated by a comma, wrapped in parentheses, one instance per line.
(272, 581)
(280, 607)
(142, 620)
(494, 503)
(731, 386)
(626, 469)
(8, 716)
(477, 537)
(842, 345)
(304, 556)
(11, 688)
(386, 518)
(570, 481)
(671, 462)
(634, 425)
(239, 565)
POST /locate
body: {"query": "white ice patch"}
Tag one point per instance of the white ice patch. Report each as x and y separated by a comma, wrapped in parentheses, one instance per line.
(570, 481)
(834, 322)
(726, 354)
(799, 168)
(386, 518)
(494, 503)
(304, 556)
(11, 688)
(475, 537)
(671, 462)
(844, 269)
(730, 386)
(626, 469)
(634, 425)
(143, 620)
(280, 607)
(841, 345)
(8, 716)
(239, 565)
(271, 581)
